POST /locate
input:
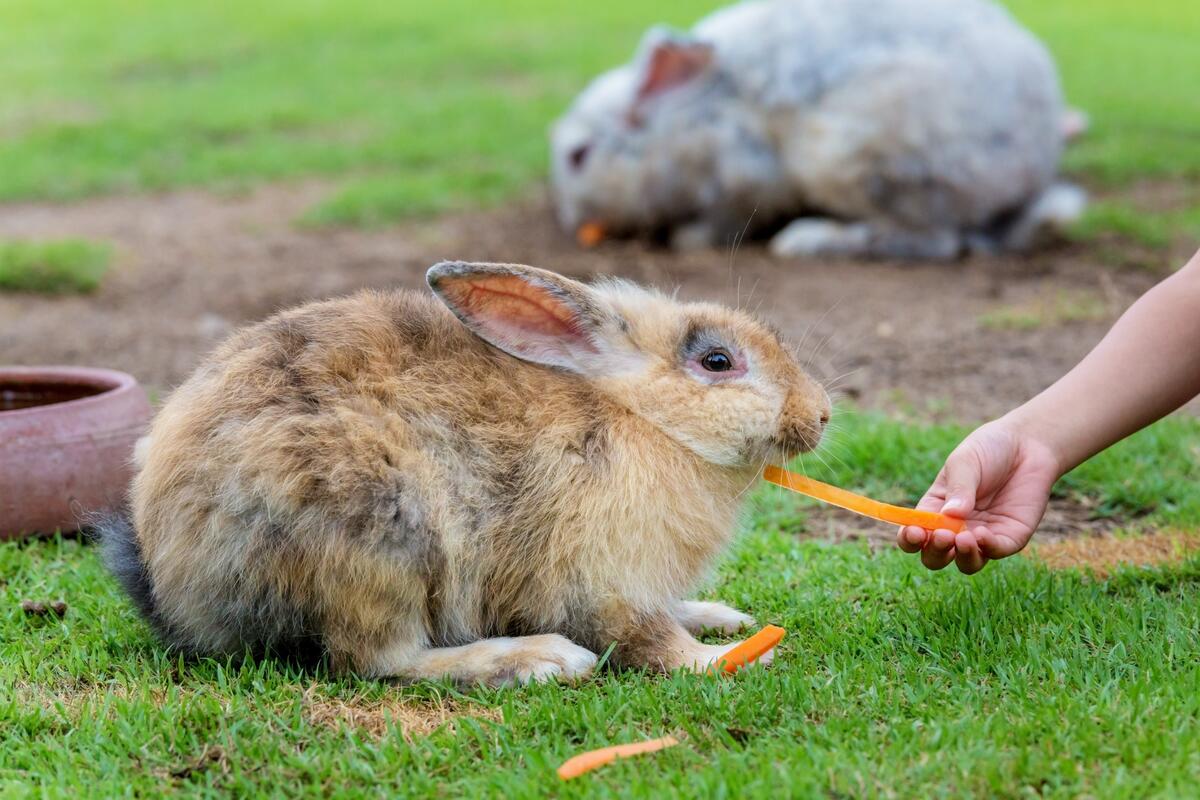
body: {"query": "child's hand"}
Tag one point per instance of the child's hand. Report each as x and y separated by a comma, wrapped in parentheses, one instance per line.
(999, 480)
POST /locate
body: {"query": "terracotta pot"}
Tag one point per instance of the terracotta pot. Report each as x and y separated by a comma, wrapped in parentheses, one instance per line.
(66, 444)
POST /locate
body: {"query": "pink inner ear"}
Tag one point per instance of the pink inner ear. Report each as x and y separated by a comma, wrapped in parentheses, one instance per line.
(673, 64)
(512, 309)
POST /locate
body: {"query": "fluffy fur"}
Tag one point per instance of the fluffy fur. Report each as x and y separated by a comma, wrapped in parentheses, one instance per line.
(493, 492)
(900, 128)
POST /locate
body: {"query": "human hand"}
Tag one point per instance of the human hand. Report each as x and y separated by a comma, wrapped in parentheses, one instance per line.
(998, 479)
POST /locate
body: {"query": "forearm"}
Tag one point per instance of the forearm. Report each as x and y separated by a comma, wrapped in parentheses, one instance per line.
(1147, 366)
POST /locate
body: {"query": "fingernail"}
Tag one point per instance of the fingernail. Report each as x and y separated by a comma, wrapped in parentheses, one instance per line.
(954, 504)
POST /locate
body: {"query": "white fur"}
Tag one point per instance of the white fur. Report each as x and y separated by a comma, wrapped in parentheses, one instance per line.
(697, 616)
(917, 115)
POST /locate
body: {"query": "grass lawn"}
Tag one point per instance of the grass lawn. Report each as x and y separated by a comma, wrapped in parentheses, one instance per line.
(893, 681)
(57, 267)
(414, 107)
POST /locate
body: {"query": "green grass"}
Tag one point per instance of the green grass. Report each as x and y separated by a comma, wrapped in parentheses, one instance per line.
(134, 96)
(421, 107)
(1130, 66)
(1060, 309)
(65, 266)
(1154, 229)
(893, 681)
(378, 201)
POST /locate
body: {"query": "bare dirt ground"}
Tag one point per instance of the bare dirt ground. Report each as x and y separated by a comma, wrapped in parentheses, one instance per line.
(1103, 556)
(929, 339)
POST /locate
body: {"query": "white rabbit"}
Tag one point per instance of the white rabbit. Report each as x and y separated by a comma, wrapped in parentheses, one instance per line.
(892, 128)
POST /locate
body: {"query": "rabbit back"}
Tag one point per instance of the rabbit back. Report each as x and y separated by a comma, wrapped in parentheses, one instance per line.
(319, 479)
(916, 111)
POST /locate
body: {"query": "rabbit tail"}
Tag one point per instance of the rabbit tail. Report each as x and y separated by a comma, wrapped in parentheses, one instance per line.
(122, 554)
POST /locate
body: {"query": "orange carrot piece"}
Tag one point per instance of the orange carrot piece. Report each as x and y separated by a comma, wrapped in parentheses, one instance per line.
(897, 515)
(752, 649)
(586, 762)
(590, 234)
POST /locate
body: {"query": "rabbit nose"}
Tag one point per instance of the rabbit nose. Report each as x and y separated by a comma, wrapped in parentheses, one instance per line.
(825, 411)
(805, 415)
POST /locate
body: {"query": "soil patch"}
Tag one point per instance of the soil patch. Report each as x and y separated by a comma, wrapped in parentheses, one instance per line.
(1103, 555)
(191, 266)
(376, 717)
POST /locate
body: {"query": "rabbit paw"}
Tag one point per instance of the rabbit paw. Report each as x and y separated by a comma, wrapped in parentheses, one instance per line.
(542, 658)
(825, 237)
(706, 656)
(817, 237)
(694, 236)
(1047, 218)
(696, 616)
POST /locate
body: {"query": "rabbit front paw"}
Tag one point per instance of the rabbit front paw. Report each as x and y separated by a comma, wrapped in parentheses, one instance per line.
(810, 236)
(697, 616)
(500, 661)
(693, 236)
(821, 237)
(542, 658)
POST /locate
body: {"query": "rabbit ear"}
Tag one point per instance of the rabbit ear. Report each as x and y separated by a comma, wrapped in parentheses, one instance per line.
(670, 60)
(529, 313)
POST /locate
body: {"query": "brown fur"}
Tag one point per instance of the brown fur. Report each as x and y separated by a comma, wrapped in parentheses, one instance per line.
(369, 474)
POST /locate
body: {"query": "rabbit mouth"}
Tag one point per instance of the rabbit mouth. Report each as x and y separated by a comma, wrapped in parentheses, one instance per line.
(796, 440)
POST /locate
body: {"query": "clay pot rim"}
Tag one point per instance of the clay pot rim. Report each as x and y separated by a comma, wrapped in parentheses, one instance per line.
(108, 381)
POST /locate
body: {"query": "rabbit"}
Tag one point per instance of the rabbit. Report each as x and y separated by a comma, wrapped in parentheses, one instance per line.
(863, 128)
(487, 485)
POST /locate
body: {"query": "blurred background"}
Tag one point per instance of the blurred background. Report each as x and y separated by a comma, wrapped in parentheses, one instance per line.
(171, 170)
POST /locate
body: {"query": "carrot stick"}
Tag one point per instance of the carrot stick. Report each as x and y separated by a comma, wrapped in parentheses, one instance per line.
(586, 762)
(590, 234)
(929, 520)
(752, 649)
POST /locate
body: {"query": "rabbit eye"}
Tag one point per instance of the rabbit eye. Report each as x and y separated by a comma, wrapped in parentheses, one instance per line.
(578, 156)
(717, 360)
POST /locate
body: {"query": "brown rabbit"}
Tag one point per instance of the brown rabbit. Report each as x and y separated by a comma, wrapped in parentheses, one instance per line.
(490, 495)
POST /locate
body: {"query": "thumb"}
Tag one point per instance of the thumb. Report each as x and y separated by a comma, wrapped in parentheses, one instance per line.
(962, 482)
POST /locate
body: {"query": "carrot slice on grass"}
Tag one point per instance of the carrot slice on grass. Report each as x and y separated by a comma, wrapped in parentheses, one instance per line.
(745, 653)
(586, 762)
(897, 515)
(752, 649)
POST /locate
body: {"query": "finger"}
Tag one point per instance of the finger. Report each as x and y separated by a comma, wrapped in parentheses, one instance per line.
(911, 538)
(936, 559)
(962, 483)
(967, 556)
(995, 545)
(940, 540)
(935, 495)
(939, 549)
(933, 500)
